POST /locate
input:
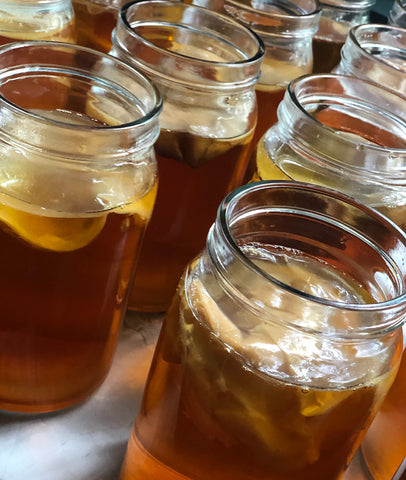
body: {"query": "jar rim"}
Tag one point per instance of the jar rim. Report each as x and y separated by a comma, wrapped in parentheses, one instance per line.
(294, 90)
(250, 60)
(396, 305)
(355, 36)
(156, 96)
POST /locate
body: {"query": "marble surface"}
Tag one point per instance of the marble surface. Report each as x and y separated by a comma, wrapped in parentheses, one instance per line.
(88, 442)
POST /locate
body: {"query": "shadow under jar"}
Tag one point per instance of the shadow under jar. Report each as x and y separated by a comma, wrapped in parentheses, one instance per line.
(280, 345)
(206, 66)
(77, 187)
(37, 20)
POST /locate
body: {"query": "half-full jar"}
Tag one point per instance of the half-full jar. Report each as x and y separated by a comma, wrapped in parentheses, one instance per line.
(280, 345)
(95, 21)
(337, 18)
(78, 179)
(376, 53)
(36, 20)
(206, 65)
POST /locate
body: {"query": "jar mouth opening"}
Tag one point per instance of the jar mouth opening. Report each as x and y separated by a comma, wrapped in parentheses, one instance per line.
(86, 69)
(397, 300)
(313, 95)
(208, 44)
(367, 38)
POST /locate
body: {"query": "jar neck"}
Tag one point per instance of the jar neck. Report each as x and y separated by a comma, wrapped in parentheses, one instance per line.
(344, 124)
(271, 215)
(376, 53)
(208, 50)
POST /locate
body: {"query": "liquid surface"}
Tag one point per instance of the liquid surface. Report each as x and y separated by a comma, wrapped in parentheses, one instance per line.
(36, 24)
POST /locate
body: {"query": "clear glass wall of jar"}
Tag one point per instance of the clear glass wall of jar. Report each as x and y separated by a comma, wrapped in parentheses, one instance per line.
(397, 14)
(281, 343)
(206, 65)
(37, 20)
(376, 53)
(337, 18)
(287, 29)
(95, 21)
(78, 181)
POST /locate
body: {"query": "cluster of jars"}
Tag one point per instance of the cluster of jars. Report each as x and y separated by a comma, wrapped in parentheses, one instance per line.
(135, 141)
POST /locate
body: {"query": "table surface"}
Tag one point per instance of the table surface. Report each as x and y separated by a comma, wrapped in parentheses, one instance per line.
(88, 442)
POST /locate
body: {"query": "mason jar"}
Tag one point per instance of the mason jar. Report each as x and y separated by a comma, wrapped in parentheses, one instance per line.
(377, 53)
(287, 29)
(206, 65)
(281, 342)
(37, 20)
(78, 179)
(397, 14)
(95, 21)
(348, 134)
(337, 18)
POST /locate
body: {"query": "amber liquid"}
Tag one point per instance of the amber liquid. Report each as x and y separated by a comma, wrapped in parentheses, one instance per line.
(61, 309)
(66, 274)
(94, 24)
(65, 34)
(207, 412)
(382, 456)
(195, 173)
(384, 446)
(326, 55)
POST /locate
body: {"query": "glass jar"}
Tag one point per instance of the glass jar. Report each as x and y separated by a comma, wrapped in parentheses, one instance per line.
(205, 65)
(376, 53)
(287, 29)
(397, 14)
(280, 345)
(77, 187)
(37, 20)
(95, 21)
(337, 18)
(350, 135)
